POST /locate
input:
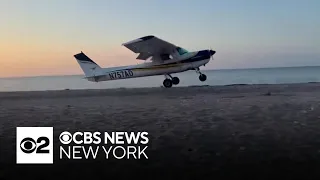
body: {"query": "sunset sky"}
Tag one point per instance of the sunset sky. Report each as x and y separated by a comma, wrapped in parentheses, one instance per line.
(40, 37)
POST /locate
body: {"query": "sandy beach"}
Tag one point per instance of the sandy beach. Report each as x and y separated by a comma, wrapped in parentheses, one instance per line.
(261, 131)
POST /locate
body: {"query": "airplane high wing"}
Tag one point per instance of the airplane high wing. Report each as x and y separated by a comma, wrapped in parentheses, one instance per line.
(151, 46)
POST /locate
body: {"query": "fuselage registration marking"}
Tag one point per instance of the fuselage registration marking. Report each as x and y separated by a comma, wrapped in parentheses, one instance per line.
(120, 74)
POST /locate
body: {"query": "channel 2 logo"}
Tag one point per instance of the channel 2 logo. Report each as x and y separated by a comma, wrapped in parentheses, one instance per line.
(34, 145)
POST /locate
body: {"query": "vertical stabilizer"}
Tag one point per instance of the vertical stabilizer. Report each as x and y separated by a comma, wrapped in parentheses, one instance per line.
(89, 67)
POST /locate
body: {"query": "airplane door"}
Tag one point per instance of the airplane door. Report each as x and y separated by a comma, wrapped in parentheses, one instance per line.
(180, 65)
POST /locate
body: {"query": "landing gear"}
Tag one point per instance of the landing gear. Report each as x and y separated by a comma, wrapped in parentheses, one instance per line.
(167, 83)
(175, 80)
(202, 77)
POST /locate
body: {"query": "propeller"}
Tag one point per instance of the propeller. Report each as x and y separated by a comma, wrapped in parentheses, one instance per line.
(212, 52)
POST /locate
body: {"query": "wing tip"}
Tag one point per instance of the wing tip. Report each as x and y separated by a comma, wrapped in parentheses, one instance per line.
(147, 37)
(144, 38)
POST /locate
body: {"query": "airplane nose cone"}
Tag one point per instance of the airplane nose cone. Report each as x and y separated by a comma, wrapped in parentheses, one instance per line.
(212, 52)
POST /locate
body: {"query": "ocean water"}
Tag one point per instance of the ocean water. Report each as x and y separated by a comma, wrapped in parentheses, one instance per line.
(189, 78)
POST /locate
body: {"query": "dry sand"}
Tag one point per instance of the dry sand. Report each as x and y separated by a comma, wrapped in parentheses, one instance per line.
(223, 131)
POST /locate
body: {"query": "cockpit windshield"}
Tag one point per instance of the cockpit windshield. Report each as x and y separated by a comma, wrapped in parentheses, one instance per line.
(181, 51)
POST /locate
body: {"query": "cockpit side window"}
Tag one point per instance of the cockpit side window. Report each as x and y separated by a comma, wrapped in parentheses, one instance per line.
(181, 51)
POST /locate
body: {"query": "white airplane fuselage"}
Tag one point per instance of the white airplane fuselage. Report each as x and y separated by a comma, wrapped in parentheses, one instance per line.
(190, 61)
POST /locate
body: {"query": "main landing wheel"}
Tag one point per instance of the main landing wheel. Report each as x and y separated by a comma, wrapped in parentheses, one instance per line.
(202, 77)
(175, 80)
(167, 83)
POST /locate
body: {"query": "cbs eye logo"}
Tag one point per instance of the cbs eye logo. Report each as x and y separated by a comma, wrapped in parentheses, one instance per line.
(65, 137)
(29, 145)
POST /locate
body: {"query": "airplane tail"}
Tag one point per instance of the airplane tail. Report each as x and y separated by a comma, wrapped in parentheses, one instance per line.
(89, 67)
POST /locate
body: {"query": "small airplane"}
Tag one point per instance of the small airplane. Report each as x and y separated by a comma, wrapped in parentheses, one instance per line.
(166, 58)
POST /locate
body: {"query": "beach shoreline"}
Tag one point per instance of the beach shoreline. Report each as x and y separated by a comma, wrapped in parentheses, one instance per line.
(217, 131)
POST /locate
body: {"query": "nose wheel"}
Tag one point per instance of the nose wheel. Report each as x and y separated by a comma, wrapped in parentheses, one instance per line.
(202, 77)
(169, 81)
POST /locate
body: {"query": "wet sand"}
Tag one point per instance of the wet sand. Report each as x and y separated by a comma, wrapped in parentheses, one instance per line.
(260, 131)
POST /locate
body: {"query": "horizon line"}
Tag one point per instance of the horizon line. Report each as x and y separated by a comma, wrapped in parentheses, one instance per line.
(271, 67)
